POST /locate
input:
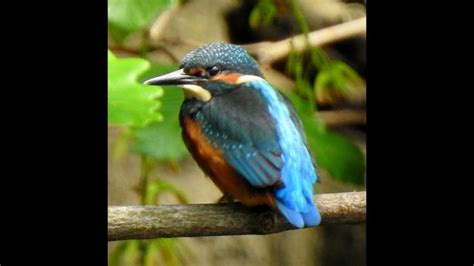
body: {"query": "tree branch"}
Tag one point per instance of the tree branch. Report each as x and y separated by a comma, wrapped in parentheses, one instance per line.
(159, 26)
(144, 222)
(269, 52)
(342, 117)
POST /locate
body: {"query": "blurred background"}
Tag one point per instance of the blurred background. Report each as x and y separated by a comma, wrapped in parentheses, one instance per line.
(149, 164)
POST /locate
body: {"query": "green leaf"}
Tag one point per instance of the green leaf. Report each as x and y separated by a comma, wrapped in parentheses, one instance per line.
(263, 14)
(168, 250)
(255, 18)
(130, 103)
(150, 254)
(127, 16)
(337, 81)
(332, 151)
(162, 140)
(131, 253)
(342, 159)
(116, 255)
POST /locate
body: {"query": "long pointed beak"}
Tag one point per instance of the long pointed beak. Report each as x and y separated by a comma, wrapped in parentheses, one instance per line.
(177, 77)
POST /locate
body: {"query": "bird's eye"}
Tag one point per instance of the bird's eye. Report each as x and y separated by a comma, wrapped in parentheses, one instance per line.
(213, 70)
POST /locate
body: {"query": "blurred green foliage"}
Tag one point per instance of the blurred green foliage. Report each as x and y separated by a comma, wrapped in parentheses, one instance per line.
(150, 123)
(154, 250)
(128, 16)
(263, 14)
(130, 103)
(162, 140)
(335, 81)
(333, 152)
(151, 252)
(149, 114)
(152, 126)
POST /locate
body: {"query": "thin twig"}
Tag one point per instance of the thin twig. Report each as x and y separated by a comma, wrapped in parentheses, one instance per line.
(191, 220)
(268, 52)
(121, 49)
(159, 26)
(342, 117)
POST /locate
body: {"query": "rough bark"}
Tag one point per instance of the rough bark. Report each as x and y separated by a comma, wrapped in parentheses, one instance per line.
(191, 220)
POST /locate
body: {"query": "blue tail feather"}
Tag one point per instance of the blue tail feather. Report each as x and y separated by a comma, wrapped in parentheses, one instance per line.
(294, 217)
(300, 219)
(312, 218)
(294, 197)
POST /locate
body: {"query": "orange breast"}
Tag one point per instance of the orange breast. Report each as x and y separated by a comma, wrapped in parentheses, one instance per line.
(212, 162)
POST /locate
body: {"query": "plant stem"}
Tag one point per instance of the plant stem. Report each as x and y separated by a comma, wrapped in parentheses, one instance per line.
(145, 170)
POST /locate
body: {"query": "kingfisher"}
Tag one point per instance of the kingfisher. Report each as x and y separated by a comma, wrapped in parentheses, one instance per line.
(243, 133)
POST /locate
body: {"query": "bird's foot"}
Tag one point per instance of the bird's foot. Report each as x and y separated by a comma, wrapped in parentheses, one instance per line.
(226, 198)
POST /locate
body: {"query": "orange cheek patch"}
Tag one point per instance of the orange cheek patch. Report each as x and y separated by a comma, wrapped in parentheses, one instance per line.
(228, 78)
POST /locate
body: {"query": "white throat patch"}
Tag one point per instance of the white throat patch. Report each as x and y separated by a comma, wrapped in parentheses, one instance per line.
(247, 78)
(195, 91)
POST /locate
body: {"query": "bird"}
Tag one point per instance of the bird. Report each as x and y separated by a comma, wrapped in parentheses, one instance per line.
(243, 133)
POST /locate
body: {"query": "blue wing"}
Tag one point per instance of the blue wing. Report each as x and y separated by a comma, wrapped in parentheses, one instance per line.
(295, 198)
(245, 133)
(263, 139)
(298, 124)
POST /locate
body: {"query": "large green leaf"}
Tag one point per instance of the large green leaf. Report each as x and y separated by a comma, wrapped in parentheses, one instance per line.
(333, 152)
(129, 102)
(162, 140)
(127, 16)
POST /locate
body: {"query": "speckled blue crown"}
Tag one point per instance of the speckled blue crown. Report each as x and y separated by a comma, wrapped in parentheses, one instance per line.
(225, 56)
